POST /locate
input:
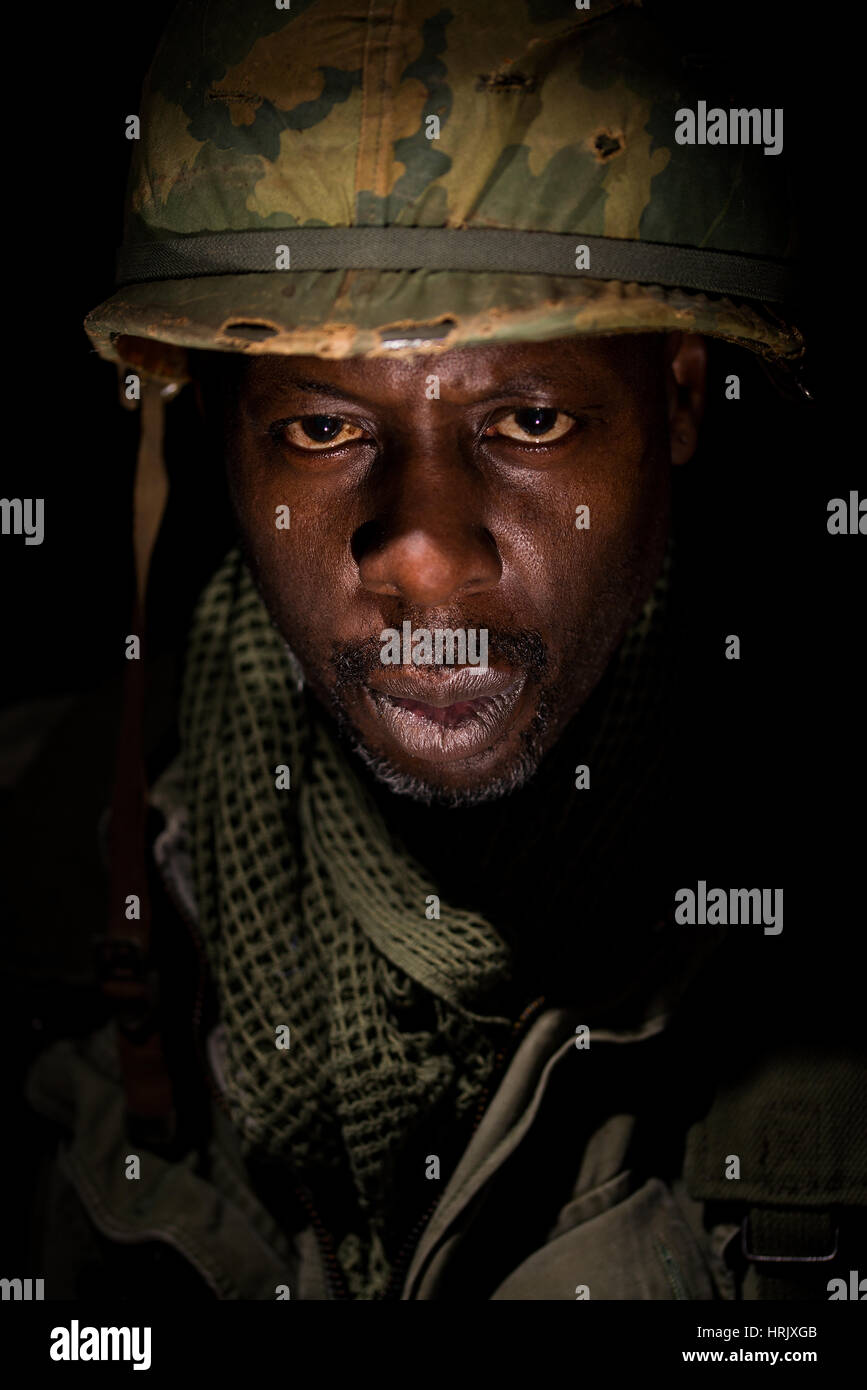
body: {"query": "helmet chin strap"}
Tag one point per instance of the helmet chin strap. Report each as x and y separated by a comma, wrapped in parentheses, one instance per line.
(151, 479)
(125, 968)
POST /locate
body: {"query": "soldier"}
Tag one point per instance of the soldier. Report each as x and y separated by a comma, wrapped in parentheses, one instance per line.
(444, 283)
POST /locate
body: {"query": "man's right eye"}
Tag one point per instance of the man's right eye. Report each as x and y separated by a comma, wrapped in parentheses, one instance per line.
(316, 433)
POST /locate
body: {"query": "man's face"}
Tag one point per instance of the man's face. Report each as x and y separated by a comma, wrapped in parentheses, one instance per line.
(443, 490)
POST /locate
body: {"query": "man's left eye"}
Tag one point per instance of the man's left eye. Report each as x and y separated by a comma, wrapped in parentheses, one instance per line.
(535, 424)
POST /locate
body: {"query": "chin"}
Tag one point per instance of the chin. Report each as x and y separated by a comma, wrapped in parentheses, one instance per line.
(485, 787)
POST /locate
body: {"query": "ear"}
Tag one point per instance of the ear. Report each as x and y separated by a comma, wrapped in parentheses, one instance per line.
(686, 385)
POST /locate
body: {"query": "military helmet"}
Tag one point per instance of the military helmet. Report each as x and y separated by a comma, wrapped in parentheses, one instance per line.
(367, 177)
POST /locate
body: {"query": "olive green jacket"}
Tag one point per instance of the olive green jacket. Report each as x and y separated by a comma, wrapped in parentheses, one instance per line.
(614, 1239)
(572, 1185)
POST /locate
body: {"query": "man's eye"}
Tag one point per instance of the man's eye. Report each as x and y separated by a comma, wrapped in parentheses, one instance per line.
(535, 424)
(317, 432)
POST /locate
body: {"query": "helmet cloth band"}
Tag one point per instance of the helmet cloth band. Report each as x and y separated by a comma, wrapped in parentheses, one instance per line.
(447, 248)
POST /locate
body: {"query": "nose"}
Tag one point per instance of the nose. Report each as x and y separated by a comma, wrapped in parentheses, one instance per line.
(428, 543)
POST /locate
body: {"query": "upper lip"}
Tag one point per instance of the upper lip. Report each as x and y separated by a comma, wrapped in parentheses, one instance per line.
(441, 690)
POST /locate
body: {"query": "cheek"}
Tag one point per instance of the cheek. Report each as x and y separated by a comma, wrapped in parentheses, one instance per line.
(294, 541)
(589, 542)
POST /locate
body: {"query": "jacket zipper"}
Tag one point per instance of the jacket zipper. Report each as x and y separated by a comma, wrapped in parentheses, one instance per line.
(337, 1285)
(507, 1051)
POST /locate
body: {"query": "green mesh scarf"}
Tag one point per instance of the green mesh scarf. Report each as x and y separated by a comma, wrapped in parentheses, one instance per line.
(313, 917)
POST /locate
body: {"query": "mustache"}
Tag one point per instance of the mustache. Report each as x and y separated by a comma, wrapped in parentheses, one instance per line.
(523, 648)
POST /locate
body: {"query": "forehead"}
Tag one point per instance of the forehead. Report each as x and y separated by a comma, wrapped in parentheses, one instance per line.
(625, 360)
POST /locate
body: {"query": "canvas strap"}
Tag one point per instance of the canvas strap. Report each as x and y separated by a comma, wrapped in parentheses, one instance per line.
(452, 249)
(795, 1120)
(124, 966)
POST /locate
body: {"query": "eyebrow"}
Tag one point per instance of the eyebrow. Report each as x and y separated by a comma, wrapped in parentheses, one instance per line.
(519, 385)
(321, 388)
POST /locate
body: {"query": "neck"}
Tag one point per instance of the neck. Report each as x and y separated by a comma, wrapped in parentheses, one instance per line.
(503, 857)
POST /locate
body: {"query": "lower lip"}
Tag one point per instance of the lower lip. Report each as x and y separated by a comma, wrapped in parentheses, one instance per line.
(448, 734)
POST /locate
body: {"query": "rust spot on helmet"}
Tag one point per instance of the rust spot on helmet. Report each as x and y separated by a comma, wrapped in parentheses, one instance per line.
(250, 332)
(505, 82)
(606, 144)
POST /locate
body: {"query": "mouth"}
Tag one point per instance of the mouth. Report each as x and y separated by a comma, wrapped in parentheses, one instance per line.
(444, 718)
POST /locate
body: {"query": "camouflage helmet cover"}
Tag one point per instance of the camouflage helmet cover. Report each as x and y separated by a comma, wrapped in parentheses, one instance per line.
(263, 128)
